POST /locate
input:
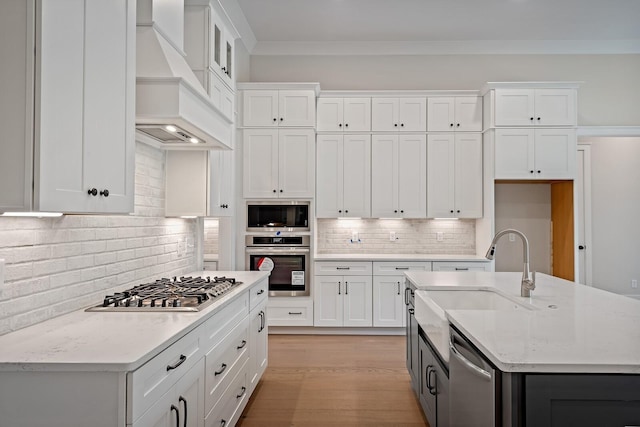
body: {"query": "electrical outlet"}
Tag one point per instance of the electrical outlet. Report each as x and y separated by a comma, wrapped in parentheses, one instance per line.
(392, 236)
(512, 237)
(634, 284)
(439, 236)
(354, 237)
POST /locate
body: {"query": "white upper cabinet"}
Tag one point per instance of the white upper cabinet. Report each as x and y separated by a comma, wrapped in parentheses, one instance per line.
(454, 181)
(278, 163)
(199, 183)
(458, 114)
(343, 178)
(279, 108)
(535, 107)
(399, 114)
(399, 176)
(344, 114)
(70, 114)
(535, 153)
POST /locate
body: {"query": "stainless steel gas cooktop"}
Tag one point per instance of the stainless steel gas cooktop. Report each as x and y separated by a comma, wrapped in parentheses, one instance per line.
(176, 294)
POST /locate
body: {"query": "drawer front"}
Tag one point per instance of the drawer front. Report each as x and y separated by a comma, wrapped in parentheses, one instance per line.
(223, 362)
(388, 268)
(461, 266)
(258, 293)
(227, 412)
(347, 268)
(291, 316)
(221, 323)
(148, 383)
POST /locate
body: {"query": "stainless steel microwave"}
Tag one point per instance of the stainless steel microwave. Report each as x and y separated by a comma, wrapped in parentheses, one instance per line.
(277, 216)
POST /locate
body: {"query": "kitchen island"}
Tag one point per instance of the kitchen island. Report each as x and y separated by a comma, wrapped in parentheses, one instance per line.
(567, 353)
(138, 368)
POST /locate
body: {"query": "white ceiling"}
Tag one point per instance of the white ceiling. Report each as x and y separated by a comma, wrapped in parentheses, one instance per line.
(443, 26)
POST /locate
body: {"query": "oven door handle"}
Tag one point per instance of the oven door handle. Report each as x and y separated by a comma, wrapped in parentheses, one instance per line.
(276, 251)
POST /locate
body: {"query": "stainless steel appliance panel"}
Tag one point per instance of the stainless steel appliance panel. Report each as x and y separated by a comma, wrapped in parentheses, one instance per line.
(277, 216)
(472, 385)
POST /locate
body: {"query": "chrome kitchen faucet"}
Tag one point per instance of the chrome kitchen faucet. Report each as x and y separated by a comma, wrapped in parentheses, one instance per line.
(528, 284)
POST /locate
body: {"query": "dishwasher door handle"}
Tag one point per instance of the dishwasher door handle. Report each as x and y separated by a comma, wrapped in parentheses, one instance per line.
(466, 362)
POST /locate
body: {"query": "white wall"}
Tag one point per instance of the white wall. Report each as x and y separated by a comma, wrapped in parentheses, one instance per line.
(615, 213)
(610, 94)
(527, 208)
(58, 265)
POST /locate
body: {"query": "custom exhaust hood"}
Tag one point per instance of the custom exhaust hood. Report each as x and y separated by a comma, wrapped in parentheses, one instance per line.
(172, 107)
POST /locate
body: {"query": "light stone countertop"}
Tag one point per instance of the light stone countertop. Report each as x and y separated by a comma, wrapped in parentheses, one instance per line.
(108, 341)
(588, 330)
(399, 257)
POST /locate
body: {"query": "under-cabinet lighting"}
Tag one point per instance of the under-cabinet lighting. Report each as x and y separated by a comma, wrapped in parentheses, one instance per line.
(450, 219)
(33, 214)
(194, 140)
(188, 217)
(171, 128)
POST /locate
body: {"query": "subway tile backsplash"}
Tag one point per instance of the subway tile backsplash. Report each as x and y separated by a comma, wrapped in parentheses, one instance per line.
(57, 265)
(211, 232)
(413, 236)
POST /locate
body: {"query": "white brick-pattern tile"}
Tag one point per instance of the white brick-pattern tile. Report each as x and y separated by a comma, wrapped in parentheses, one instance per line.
(211, 232)
(57, 265)
(413, 236)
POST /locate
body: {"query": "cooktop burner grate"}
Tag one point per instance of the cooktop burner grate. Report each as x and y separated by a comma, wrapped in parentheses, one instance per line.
(177, 294)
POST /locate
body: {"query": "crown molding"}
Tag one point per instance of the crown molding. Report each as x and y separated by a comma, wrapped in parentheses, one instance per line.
(467, 47)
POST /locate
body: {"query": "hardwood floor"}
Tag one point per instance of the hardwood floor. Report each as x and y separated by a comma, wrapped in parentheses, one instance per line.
(322, 380)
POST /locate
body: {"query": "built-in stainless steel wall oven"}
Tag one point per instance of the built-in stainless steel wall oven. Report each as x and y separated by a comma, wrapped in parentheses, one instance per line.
(287, 257)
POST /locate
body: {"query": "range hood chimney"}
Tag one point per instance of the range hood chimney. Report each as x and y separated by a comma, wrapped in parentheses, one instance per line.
(172, 107)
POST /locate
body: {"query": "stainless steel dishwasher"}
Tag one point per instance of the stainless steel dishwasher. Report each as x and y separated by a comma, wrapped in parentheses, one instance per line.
(473, 385)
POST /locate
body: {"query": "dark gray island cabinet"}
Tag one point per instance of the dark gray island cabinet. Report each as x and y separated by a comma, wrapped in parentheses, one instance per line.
(480, 355)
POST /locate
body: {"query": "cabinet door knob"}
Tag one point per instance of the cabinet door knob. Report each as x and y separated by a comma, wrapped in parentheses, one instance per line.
(346, 125)
(395, 211)
(281, 191)
(451, 211)
(339, 125)
(458, 125)
(531, 171)
(275, 120)
(346, 211)
(93, 191)
(450, 124)
(401, 211)
(531, 118)
(281, 119)
(401, 124)
(538, 118)
(458, 211)
(539, 172)
(104, 193)
(274, 191)
(395, 124)
(339, 211)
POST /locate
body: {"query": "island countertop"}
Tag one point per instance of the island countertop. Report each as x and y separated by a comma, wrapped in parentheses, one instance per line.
(571, 328)
(108, 341)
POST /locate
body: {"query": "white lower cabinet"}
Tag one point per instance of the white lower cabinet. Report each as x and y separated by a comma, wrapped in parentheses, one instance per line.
(182, 405)
(388, 291)
(259, 344)
(291, 311)
(343, 294)
(461, 266)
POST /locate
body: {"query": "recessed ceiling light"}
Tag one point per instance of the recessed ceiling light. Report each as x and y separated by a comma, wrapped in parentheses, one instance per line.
(171, 128)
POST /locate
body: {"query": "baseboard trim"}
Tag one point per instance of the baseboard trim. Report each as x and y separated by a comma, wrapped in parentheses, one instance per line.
(309, 330)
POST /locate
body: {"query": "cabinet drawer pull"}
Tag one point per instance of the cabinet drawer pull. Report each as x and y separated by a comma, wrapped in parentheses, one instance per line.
(402, 268)
(398, 288)
(244, 342)
(175, 408)
(346, 288)
(260, 292)
(223, 423)
(222, 369)
(244, 390)
(343, 268)
(295, 312)
(178, 363)
(462, 268)
(184, 402)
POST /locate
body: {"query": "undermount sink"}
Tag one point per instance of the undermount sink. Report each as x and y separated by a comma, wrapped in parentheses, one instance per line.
(472, 300)
(430, 307)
